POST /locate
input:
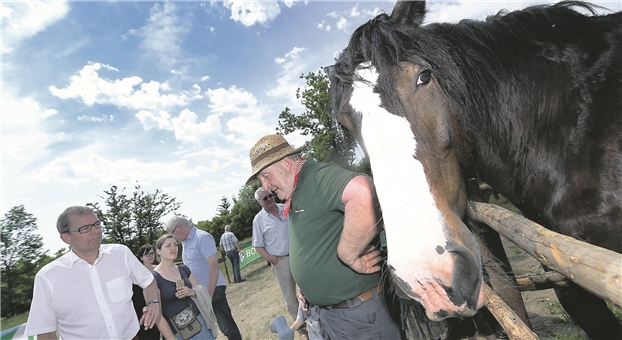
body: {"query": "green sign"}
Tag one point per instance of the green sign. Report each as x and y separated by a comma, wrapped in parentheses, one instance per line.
(248, 255)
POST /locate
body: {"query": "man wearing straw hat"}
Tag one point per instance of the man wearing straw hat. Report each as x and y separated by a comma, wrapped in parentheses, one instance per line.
(332, 220)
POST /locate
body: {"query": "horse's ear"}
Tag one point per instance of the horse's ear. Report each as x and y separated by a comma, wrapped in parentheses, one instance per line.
(408, 12)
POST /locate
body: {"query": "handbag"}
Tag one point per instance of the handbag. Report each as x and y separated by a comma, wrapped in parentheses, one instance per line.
(186, 323)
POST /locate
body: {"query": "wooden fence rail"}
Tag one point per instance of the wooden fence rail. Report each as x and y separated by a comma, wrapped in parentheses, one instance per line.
(594, 268)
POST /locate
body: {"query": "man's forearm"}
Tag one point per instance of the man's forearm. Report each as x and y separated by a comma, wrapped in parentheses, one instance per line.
(47, 336)
(151, 292)
(360, 223)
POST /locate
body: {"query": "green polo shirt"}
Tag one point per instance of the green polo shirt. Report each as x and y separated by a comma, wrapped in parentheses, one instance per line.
(315, 226)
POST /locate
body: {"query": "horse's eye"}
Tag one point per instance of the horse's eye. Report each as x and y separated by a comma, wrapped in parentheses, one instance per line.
(424, 78)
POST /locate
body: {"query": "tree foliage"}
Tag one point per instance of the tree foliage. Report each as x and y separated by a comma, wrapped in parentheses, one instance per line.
(133, 220)
(328, 144)
(240, 216)
(22, 257)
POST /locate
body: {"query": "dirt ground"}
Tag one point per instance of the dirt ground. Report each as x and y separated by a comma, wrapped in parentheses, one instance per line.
(257, 301)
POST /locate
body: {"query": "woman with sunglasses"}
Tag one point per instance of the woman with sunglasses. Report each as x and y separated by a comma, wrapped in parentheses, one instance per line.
(146, 255)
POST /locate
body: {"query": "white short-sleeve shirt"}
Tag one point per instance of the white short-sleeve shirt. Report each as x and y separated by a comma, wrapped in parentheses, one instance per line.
(83, 301)
(271, 232)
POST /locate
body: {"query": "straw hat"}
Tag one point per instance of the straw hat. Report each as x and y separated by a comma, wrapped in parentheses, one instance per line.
(269, 150)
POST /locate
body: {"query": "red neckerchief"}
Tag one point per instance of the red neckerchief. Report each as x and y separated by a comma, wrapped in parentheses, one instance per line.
(288, 202)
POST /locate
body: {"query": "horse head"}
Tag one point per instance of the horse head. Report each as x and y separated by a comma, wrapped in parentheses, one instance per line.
(396, 108)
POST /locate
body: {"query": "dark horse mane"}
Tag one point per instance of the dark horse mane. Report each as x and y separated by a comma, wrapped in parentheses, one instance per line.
(493, 71)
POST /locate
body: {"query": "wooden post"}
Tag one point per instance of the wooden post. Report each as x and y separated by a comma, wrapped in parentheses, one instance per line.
(223, 260)
(594, 268)
(511, 323)
(497, 265)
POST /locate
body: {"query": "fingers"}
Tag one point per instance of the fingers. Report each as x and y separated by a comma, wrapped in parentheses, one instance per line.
(369, 248)
(150, 317)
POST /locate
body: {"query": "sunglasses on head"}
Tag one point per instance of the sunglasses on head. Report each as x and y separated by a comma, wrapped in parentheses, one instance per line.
(266, 197)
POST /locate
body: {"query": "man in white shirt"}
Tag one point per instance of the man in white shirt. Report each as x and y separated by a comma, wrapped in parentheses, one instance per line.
(87, 293)
(271, 240)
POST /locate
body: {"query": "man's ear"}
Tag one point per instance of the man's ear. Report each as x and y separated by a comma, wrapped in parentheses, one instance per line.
(65, 238)
(286, 163)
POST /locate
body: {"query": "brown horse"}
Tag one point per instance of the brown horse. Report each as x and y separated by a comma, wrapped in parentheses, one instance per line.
(529, 102)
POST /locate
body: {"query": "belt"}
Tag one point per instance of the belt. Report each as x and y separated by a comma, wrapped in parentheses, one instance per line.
(358, 300)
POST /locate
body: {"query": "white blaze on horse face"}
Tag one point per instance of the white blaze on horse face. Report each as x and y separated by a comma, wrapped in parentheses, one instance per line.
(413, 223)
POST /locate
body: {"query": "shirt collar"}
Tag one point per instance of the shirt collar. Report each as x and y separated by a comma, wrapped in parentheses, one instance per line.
(73, 257)
(191, 234)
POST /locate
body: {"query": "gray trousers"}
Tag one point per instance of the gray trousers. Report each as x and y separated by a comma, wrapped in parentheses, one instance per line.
(288, 285)
(371, 320)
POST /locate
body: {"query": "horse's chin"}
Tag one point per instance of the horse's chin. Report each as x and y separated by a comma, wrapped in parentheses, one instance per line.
(435, 298)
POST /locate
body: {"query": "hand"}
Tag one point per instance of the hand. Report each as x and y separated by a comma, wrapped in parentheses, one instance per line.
(275, 260)
(367, 263)
(151, 314)
(302, 299)
(185, 291)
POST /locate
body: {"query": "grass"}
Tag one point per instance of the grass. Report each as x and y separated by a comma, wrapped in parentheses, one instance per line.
(13, 321)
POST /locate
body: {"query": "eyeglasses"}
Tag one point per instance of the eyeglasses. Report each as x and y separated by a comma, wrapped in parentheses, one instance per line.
(86, 228)
(150, 253)
(266, 197)
(173, 231)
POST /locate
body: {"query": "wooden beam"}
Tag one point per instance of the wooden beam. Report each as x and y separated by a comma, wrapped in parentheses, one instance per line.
(594, 268)
(546, 280)
(511, 323)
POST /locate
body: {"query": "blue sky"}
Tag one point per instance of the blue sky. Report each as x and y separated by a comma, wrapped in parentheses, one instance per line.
(171, 95)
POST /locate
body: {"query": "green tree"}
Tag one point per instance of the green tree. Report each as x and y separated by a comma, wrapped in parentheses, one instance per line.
(244, 211)
(22, 257)
(133, 221)
(328, 143)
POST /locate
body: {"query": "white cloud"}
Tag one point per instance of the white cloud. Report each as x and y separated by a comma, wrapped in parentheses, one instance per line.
(322, 25)
(103, 118)
(232, 100)
(292, 67)
(241, 110)
(342, 24)
(249, 13)
(23, 131)
(160, 120)
(76, 169)
(162, 34)
(22, 20)
(130, 92)
(185, 126)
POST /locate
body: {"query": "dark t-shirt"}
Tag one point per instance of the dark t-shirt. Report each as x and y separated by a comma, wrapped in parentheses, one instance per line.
(315, 226)
(171, 305)
(139, 302)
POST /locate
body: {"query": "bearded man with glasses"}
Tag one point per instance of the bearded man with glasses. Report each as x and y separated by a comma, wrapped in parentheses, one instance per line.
(271, 240)
(87, 293)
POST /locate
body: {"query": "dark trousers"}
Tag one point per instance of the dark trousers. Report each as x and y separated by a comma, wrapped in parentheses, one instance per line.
(223, 314)
(234, 257)
(590, 313)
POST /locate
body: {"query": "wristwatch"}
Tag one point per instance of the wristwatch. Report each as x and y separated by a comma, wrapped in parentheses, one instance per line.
(153, 301)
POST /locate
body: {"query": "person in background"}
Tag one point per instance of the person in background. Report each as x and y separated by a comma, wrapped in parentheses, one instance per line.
(333, 218)
(229, 243)
(174, 298)
(271, 240)
(309, 317)
(146, 255)
(86, 293)
(199, 254)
